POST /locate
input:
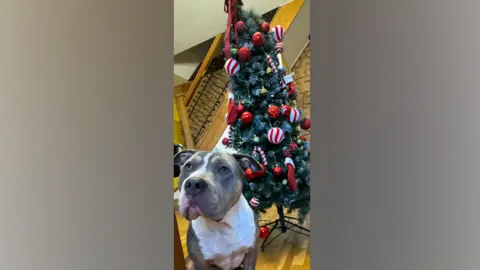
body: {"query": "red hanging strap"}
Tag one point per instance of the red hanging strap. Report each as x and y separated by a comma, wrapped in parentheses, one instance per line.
(230, 7)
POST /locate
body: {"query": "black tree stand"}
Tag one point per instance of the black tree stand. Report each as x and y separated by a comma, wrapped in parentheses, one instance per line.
(283, 224)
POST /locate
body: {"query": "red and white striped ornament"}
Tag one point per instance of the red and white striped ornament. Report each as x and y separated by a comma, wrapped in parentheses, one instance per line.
(232, 66)
(279, 47)
(278, 33)
(275, 135)
(294, 116)
(262, 153)
(271, 63)
(254, 202)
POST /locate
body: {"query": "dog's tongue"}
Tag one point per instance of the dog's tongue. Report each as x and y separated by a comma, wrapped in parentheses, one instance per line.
(194, 212)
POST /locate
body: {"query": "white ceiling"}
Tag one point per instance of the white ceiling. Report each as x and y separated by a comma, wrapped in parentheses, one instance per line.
(197, 21)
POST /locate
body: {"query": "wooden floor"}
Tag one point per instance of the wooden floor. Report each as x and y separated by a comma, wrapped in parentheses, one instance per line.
(290, 251)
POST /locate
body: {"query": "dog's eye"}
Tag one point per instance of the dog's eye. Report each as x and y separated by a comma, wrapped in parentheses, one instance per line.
(223, 169)
(188, 166)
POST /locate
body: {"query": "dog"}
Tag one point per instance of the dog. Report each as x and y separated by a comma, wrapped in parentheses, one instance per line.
(223, 229)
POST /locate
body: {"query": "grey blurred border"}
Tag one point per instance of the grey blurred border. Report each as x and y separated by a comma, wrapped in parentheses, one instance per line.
(86, 135)
(395, 135)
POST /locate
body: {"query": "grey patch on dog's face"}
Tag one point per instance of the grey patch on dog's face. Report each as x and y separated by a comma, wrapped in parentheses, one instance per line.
(223, 175)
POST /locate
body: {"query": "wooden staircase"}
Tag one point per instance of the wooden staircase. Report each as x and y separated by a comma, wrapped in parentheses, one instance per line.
(201, 103)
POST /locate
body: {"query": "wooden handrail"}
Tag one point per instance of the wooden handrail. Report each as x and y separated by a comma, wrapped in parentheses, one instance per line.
(179, 94)
(286, 13)
(217, 42)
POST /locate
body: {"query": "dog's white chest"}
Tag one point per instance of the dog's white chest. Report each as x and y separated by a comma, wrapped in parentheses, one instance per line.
(226, 243)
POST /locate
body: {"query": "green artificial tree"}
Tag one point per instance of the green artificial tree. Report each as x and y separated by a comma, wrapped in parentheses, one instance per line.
(262, 115)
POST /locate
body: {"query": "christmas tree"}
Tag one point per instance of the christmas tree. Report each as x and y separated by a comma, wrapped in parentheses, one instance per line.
(262, 115)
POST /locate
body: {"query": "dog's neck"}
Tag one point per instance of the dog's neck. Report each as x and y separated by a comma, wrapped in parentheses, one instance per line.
(234, 215)
(228, 239)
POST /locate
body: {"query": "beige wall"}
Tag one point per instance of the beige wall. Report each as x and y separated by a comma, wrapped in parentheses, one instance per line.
(297, 34)
(197, 21)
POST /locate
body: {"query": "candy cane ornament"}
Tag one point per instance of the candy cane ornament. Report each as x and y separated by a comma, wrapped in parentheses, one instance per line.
(262, 154)
(264, 157)
(254, 202)
(272, 64)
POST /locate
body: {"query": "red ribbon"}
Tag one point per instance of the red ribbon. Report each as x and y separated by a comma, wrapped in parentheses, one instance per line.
(230, 7)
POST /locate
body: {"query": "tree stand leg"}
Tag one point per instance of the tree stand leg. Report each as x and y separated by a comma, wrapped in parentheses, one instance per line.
(284, 224)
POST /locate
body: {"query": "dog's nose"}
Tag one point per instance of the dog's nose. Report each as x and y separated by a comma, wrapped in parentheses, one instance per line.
(194, 186)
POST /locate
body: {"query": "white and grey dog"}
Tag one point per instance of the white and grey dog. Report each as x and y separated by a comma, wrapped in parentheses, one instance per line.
(223, 228)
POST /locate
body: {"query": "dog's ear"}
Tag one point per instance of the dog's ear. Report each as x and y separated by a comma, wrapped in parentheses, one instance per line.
(180, 158)
(247, 161)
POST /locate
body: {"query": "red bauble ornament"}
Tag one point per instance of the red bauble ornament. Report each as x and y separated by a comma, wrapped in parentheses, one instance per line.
(264, 232)
(306, 124)
(265, 27)
(247, 118)
(240, 26)
(286, 110)
(257, 39)
(225, 141)
(277, 171)
(303, 138)
(240, 108)
(249, 174)
(244, 54)
(293, 147)
(273, 111)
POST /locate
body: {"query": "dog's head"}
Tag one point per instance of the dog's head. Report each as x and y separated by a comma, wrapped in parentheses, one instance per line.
(211, 183)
